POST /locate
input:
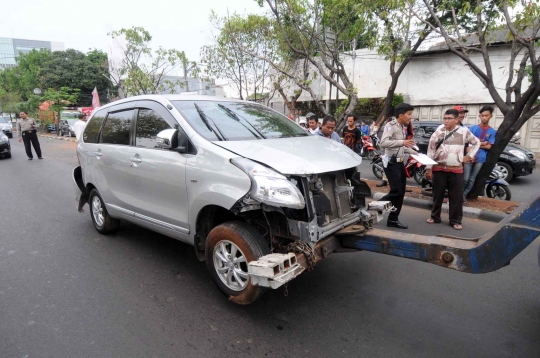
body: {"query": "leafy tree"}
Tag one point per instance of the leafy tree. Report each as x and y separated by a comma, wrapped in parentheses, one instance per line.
(144, 71)
(9, 101)
(26, 76)
(59, 99)
(74, 69)
(235, 51)
(318, 32)
(517, 24)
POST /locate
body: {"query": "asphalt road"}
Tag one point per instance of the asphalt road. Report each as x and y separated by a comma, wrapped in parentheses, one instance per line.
(67, 291)
(520, 187)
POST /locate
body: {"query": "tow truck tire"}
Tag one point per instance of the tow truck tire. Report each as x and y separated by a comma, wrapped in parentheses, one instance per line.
(229, 248)
(103, 222)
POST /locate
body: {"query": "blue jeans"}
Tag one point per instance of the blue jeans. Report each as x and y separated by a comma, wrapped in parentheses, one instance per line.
(470, 171)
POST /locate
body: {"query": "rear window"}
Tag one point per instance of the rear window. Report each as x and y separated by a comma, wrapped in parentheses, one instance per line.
(234, 121)
(91, 131)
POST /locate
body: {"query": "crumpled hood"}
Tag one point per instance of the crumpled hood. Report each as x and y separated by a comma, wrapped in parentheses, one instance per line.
(296, 156)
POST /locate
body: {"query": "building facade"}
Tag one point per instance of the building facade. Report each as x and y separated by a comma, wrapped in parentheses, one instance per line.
(10, 49)
(432, 82)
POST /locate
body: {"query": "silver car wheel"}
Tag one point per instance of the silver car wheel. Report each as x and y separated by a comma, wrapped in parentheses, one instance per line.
(97, 211)
(228, 260)
(502, 170)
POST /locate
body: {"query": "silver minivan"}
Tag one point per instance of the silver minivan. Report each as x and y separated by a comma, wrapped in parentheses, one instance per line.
(239, 181)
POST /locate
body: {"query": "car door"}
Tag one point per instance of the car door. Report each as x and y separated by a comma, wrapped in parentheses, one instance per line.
(112, 164)
(157, 176)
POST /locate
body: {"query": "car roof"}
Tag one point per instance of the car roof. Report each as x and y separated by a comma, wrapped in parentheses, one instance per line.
(172, 97)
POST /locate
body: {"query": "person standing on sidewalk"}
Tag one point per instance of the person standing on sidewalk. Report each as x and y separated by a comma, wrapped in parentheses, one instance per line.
(395, 146)
(27, 133)
(327, 129)
(79, 126)
(352, 137)
(446, 148)
(486, 134)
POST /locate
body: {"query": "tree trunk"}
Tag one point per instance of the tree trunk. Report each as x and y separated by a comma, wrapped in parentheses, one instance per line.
(387, 108)
(341, 121)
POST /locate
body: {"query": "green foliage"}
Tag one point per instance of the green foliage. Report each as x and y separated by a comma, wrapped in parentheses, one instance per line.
(145, 71)
(9, 101)
(238, 51)
(61, 98)
(74, 69)
(397, 99)
(23, 78)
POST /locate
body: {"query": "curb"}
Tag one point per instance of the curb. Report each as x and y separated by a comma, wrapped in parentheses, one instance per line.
(68, 139)
(467, 211)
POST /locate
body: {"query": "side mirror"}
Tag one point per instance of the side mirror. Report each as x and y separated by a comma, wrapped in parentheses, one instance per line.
(168, 139)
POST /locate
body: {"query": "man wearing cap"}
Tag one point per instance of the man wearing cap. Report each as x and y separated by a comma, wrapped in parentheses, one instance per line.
(313, 124)
(462, 113)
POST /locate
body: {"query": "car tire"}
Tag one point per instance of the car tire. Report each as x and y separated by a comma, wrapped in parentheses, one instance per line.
(7, 156)
(10, 135)
(103, 222)
(229, 248)
(506, 169)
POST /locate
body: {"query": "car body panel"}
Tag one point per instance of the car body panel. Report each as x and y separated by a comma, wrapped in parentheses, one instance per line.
(5, 145)
(6, 127)
(296, 156)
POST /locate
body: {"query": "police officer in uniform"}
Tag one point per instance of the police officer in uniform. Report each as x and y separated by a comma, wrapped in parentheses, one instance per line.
(396, 145)
(27, 132)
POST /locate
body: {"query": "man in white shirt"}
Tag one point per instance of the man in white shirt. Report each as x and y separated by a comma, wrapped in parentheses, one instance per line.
(78, 127)
(313, 124)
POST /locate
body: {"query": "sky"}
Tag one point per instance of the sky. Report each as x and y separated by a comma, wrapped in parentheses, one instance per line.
(84, 24)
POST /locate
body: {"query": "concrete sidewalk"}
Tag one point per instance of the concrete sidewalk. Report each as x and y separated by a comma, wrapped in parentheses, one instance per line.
(69, 139)
(467, 211)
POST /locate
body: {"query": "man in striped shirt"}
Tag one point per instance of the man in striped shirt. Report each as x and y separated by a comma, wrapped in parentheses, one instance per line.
(446, 148)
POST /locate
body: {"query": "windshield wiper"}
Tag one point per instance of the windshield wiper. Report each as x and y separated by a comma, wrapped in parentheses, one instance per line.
(206, 119)
(234, 116)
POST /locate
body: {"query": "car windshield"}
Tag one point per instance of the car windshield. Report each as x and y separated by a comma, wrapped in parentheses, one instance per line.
(71, 121)
(4, 120)
(234, 121)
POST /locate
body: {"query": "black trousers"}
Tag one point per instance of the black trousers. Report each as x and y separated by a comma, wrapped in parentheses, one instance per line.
(397, 180)
(454, 183)
(31, 137)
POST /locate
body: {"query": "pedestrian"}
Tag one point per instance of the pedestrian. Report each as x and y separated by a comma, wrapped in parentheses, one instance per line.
(462, 114)
(27, 132)
(351, 135)
(364, 128)
(446, 148)
(395, 146)
(313, 124)
(79, 126)
(327, 129)
(486, 135)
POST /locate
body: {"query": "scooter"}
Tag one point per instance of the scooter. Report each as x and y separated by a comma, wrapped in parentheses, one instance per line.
(495, 188)
(368, 149)
(377, 165)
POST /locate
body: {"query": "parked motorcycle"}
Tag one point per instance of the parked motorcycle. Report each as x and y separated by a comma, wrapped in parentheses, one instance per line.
(414, 169)
(368, 149)
(377, 165)
(496, 187)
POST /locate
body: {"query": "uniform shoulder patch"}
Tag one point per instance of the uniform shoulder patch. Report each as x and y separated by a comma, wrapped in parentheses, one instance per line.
(388, 127)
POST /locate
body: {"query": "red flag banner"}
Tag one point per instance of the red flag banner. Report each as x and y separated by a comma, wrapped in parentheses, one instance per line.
(95, 98)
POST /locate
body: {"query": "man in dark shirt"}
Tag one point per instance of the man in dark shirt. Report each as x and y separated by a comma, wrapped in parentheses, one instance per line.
(351, 135)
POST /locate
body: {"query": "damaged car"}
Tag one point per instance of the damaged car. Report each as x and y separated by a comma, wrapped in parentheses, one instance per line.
(259, 198)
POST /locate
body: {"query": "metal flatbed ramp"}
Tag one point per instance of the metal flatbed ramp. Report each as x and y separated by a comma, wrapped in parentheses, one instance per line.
(487, 253)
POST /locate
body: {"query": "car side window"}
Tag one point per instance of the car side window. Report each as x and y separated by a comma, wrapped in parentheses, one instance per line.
(149, 124)
(116, 128)
(91, 132)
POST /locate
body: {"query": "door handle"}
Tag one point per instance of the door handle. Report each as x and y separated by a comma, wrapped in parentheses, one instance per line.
(135, 160)
(99, 154)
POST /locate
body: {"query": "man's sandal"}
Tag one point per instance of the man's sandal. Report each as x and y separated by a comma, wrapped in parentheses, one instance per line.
(431, 221)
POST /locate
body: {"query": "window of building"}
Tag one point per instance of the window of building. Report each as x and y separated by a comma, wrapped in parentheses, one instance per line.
(116, 128)
(149, 124)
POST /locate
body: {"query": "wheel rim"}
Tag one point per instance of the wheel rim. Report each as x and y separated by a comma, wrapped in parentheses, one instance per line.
(502, 170)
(97, 211)
(231, 265)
